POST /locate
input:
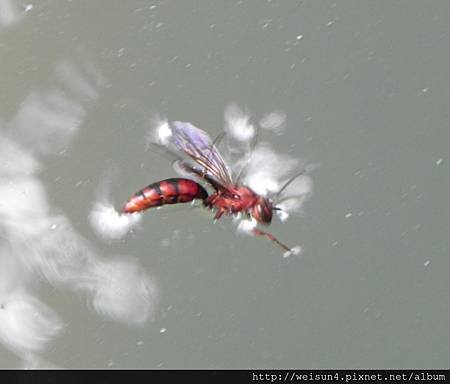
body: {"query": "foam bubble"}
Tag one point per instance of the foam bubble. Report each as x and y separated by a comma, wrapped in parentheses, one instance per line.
(27, 323)
(294, 251)
(122, 291)
(282, 215)
(110, 224)
(237, 124)
(246, 226)
(274, 121)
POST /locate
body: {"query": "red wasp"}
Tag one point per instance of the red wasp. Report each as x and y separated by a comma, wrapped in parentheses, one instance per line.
(229, 197)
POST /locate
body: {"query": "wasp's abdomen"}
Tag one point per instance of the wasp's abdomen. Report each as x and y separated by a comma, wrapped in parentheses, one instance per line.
(169, 191)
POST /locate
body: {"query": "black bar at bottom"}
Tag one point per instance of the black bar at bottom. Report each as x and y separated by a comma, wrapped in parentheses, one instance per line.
(254, 376)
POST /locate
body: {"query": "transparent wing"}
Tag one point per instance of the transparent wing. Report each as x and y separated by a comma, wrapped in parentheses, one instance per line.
(198, 146)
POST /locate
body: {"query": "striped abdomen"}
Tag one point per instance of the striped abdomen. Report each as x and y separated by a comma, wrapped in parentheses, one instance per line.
(169, 191)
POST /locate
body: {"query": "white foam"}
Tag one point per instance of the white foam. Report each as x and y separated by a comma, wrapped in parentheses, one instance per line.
(274, 121)
(107, 223)
(121, 291)
(282, 215)
(246, 226)
(237, 124)
(40, 244)
(27, 324)
(294, 251)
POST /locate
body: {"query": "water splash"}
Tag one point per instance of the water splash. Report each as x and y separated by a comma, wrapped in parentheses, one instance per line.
(237, 124)
(39, 244)
(109, 224)
(255, 163)
(27, 324)
(274, 121)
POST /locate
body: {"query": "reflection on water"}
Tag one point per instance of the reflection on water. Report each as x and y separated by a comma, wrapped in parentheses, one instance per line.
(37, 242)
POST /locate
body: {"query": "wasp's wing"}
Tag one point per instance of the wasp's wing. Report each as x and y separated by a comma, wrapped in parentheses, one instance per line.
(198, 146)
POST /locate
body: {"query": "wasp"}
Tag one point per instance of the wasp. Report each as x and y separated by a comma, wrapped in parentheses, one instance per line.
(229, 197)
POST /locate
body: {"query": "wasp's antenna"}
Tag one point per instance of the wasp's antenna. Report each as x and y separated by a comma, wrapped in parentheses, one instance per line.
(249, 157)
(218, 139)
(287, 183)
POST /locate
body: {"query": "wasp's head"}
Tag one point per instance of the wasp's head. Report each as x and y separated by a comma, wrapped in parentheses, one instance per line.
(262, 210)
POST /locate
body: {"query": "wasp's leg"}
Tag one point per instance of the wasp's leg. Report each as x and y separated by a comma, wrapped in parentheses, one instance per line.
(219, 214)
(267, 235)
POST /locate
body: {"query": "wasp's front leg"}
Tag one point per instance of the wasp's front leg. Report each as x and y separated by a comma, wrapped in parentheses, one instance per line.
(267, 235)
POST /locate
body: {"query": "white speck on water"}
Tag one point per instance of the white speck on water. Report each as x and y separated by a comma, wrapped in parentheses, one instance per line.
(162, 330)
(425, 90)
(28, 7)
(299, 37)
(266, 23)
(294, 251)
(53, 227)
(427, 263)
(140, 342)
(348, 215)
(120, 52)
(439, 161)
(334, 243)
(292, 66)
(330, 23)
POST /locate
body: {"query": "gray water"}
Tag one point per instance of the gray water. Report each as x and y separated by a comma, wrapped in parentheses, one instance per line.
(365, 89)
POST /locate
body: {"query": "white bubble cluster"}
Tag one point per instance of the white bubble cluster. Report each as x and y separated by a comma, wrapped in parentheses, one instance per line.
(108, 224)
(40, 245)
(237, 124)
(274, 121)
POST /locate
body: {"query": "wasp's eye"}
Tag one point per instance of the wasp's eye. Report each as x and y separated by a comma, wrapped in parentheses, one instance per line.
(262, 212)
